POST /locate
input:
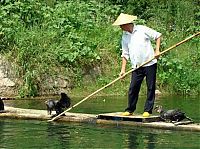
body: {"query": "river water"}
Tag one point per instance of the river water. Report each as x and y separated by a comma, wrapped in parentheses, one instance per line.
(20, 134)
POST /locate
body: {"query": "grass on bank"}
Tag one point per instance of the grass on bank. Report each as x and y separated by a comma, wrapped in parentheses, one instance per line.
(46, 42)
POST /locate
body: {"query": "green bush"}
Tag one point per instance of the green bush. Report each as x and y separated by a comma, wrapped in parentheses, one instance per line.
(41, 37)
(46, 38)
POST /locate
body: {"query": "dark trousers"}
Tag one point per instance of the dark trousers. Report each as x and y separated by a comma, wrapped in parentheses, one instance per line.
(136, 80)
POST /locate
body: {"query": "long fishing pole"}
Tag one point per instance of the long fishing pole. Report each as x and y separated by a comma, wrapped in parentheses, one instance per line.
(172, 47)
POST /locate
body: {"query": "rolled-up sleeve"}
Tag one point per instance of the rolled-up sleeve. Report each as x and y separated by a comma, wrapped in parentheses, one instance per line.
(152, 33)
(125, 51)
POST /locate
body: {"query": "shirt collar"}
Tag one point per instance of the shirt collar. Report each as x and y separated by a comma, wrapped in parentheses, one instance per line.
(134, 30)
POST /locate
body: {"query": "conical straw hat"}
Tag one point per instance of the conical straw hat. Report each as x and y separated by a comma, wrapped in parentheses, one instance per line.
(124, 19)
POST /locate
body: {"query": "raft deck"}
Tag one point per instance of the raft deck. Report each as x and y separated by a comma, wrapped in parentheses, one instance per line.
(134, 118)
(107, 118)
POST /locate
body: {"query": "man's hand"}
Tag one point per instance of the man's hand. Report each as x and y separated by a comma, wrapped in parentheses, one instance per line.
(121, 75)
(157, 54)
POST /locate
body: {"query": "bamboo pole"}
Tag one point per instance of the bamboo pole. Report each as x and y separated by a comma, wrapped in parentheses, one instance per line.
(172, 47)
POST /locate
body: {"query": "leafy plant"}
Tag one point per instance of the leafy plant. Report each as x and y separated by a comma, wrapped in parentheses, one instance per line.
(46, 38)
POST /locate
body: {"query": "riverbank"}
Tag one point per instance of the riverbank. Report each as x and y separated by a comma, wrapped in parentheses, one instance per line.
(55, 50)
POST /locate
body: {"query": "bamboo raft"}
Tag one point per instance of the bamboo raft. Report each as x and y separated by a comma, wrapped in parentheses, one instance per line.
(107, 118)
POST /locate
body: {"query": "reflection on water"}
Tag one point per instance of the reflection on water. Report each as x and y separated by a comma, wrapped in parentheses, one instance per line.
(36, 134)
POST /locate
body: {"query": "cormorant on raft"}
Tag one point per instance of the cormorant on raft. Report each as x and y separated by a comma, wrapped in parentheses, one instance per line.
(174, 115)
(1, 105)
(58, 105)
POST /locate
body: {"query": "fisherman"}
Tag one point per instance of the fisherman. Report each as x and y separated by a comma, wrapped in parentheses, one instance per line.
(136, 46)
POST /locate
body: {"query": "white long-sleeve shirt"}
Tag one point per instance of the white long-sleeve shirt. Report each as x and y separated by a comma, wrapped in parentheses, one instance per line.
(137, 47)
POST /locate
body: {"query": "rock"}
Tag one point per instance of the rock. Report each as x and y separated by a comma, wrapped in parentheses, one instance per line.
(6, 82)
(2, 75)
(61, 83)
(157, 92)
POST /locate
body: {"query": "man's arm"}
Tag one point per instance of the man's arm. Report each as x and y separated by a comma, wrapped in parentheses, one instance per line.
(157, 50)
(123, 68)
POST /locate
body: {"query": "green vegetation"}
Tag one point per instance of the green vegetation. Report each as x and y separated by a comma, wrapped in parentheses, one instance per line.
(47, 38)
